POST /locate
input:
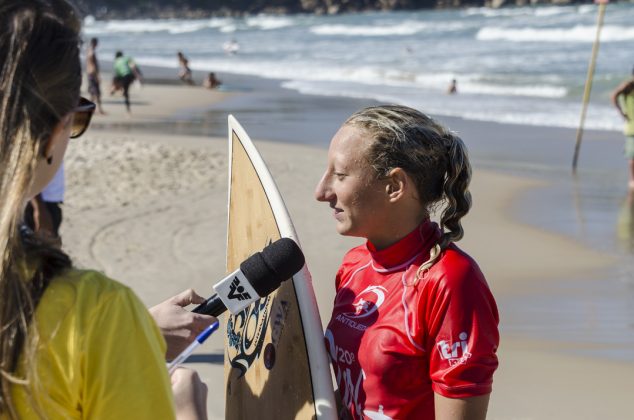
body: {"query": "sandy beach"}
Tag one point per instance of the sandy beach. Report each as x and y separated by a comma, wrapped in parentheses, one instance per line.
(147, 206)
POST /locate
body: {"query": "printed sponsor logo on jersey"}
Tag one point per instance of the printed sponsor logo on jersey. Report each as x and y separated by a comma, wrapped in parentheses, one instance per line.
(236, 291)
(349, 375)
(367, 302)
(350, 323)
(455, 352)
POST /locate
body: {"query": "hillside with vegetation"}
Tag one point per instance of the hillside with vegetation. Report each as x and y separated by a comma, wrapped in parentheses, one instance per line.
(204, 8)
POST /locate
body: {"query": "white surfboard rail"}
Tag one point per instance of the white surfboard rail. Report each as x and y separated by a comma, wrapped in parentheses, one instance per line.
(319, 363)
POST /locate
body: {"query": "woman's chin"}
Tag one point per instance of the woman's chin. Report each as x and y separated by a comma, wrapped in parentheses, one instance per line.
(347, 230)
(342, 229)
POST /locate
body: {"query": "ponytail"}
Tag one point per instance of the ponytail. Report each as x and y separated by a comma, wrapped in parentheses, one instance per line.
(455, 190)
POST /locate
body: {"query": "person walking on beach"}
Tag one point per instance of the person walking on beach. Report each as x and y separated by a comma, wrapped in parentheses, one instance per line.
(125, 72)
(184, 72)
(74, 343)
(623, 100)
(414, 328)
(92, 71)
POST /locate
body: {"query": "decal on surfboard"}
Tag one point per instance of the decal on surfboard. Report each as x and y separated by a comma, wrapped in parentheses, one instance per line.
(246, 332)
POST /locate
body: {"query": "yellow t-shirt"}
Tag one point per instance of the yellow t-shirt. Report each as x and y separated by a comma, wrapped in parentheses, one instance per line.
(628, 102)
(100, 354)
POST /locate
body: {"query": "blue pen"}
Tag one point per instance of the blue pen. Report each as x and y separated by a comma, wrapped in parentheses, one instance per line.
(193, 346)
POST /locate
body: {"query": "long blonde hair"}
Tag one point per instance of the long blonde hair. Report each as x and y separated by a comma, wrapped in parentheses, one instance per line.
(433, 156)
(40, 76)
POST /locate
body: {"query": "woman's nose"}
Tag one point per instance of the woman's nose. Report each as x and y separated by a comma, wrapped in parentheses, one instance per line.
(322, 190)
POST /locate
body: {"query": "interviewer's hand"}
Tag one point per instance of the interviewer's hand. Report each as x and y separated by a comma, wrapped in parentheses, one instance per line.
(178, 325)
(190, 395)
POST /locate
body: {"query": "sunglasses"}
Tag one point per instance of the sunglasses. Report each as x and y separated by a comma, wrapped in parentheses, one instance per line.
(81, 118)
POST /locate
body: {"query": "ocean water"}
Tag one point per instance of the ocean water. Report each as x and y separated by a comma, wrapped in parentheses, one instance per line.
(516, 65)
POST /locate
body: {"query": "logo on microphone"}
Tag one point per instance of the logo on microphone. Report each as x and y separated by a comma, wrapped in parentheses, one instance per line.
(236, 291)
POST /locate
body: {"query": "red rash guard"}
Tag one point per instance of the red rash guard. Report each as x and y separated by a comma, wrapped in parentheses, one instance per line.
(394, 344)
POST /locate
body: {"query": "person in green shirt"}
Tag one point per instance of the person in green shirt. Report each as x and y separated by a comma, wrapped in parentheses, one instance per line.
(125, 72)
(623, 100)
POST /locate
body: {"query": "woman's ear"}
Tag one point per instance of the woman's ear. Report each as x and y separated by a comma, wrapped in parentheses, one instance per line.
(398, 182)
(57, 136)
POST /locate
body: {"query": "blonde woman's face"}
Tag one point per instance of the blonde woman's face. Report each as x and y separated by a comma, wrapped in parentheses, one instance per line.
(44, 172)
(349, 185)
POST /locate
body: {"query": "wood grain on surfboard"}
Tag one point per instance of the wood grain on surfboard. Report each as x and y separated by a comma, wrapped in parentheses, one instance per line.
(276, 365)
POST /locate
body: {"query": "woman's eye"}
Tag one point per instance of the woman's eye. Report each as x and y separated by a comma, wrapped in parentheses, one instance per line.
(339, 175)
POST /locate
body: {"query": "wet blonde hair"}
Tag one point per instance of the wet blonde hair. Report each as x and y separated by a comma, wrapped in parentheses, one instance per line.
(40, 76)
(433, 156)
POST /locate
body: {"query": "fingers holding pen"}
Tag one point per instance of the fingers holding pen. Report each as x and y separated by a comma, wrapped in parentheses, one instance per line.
(178, 325)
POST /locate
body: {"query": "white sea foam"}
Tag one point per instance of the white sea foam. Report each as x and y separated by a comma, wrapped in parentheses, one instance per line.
(228, 28)
(404, 28)
(587, 8)
(537, 91)
(476, 84)
(173, 26)
(267, 22)
(555, 115)
(578, 33)
(367, 75)
(517, 11)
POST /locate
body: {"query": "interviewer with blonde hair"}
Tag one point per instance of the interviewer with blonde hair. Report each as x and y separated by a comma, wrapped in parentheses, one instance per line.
(73, 343)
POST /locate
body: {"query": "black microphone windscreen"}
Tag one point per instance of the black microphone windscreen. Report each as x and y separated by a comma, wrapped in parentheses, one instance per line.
(276, 263)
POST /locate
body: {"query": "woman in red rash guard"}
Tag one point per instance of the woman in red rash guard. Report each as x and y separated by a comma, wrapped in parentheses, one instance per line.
(414, 329)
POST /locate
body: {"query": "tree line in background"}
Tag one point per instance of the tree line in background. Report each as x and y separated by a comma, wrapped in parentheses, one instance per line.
(203, 8)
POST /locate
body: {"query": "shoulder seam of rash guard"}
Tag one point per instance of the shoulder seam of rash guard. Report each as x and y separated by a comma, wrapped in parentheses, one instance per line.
(406, 315)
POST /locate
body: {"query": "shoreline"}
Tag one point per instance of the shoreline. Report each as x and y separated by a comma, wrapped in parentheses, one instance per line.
(246, 83)
(539, 152)
(160, 227)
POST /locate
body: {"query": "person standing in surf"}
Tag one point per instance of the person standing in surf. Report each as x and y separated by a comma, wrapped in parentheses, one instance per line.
(623, 100)
(414, 328)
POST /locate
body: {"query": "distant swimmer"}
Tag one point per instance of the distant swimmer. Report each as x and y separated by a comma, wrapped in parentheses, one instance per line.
(453, 87)
(231, 47)
(623, 100)
(211, 81)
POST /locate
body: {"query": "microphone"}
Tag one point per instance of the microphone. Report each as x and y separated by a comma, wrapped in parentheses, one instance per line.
(257, 277)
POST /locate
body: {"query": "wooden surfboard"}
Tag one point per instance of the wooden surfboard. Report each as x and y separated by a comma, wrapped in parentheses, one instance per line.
(276, 365)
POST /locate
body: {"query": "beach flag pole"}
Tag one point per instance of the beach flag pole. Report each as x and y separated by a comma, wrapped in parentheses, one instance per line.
(588, 87)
